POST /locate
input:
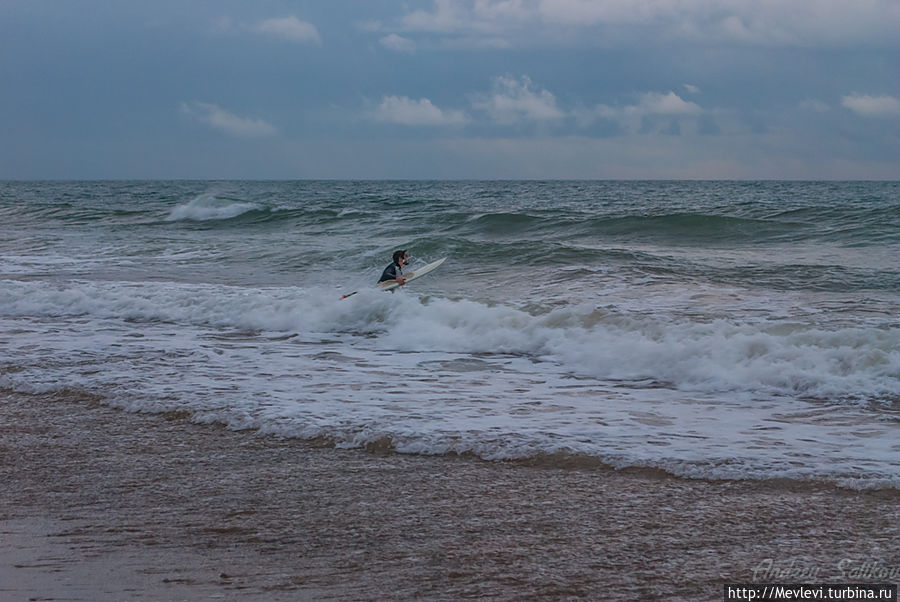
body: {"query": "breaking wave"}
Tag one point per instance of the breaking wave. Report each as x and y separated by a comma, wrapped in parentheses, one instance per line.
(851, 363)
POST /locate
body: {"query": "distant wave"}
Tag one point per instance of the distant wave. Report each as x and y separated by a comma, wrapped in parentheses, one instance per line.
(868, 220)
(208, 207)
(694, 229)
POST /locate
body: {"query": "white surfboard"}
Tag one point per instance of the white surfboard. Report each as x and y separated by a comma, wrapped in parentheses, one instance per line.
(392, 284)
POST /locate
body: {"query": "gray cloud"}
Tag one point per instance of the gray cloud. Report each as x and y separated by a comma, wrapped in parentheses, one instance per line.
(227, 122)
(512, 100)
(872, 106)
(762, 22)
(407, 111)
(398, 43)
(289, 28)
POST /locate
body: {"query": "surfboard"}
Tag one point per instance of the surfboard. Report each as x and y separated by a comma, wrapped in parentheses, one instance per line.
(390, 285)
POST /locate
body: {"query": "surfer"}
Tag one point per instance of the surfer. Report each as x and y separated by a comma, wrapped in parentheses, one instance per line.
(395, 270)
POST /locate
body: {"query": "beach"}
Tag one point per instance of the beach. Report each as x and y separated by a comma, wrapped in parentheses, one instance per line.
(102, 504)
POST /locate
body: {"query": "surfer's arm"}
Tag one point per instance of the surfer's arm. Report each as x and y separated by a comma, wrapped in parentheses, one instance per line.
(389, 275)
(398, 276)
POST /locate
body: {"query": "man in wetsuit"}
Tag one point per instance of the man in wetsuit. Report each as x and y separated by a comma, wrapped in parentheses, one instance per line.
(395, 270)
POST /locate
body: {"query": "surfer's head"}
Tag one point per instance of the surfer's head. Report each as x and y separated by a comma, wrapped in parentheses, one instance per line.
(401, 257)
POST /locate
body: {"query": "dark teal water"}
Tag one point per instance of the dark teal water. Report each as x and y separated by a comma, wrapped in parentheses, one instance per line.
(803, 236)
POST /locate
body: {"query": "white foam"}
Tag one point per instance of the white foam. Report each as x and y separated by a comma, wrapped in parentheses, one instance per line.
(775, 357)
(209, 207)
(716, 399)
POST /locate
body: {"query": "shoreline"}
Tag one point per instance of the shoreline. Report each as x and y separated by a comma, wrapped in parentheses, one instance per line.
(103, 504)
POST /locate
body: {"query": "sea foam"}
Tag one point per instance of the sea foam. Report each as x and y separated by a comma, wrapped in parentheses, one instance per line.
(773, 357)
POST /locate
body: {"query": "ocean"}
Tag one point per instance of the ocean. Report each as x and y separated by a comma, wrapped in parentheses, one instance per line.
(710, 330)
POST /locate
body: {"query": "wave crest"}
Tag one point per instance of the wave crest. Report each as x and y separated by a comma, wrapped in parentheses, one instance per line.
(851, 363)
(208, 207)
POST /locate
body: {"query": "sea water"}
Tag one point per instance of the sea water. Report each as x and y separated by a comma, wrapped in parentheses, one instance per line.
(716, 330)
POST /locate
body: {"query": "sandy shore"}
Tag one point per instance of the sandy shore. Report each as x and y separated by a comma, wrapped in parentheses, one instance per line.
(100, 504)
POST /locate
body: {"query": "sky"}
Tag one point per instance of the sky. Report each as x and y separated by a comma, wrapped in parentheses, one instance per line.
(450, 89)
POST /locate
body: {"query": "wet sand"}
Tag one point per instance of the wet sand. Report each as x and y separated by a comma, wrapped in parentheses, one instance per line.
(101, 504)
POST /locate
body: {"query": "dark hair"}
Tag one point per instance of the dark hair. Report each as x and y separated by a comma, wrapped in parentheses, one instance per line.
(398, 255)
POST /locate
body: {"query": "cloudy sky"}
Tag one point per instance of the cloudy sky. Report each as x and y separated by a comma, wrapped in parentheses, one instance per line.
(797, 89)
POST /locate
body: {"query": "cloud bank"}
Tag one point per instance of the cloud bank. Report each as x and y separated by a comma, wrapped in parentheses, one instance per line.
(765, 22)
(872, 106)
(227, 122)
(589, 88)
(406, 111)
(290, 29)
(398, 43)
(511, 101)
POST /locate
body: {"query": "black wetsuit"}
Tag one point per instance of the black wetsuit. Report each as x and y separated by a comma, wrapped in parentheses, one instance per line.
(391, 272)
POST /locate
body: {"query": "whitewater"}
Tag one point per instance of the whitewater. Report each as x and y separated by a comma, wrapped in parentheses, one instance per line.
(714, 330)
